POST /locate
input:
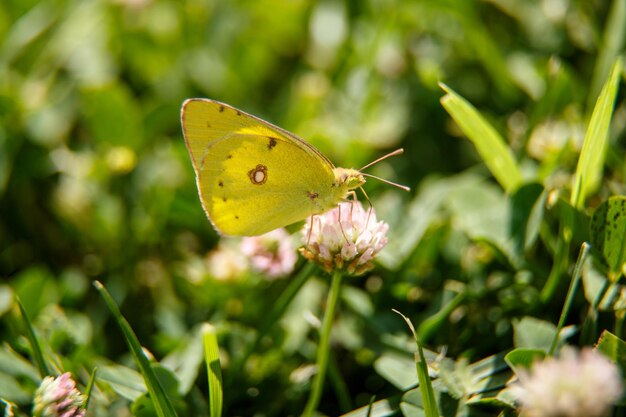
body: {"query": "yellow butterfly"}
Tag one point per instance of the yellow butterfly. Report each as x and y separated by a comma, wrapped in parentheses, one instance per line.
(254, 177)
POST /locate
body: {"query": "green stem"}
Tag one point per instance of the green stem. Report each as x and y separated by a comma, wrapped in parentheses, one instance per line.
(324, 346)
(338, 383)
(584, 252)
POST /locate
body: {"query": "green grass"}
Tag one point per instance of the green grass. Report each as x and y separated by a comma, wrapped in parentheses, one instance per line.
(509, 246)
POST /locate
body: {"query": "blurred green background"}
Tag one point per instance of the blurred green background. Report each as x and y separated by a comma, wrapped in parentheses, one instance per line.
(96, 183)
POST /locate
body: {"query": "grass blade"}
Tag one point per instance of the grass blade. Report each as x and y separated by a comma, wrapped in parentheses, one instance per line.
(42, 366)
(612, 44)
(491, 147)
(89, 389)
(425, 386)
(214, 370)
(591, 161)
(162, 404)
(569, 299)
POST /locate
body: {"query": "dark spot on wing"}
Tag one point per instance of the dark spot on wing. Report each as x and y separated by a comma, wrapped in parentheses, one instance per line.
(229, 156)
(312, 195)
(221, 108)
(220, 183)
(236, 217)
(208, 125)
(272, 143)
(238, 113)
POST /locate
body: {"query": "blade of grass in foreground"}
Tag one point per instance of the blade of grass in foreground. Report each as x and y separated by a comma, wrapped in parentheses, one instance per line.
(426, 388)
(214, 370)
(162, 404)
(610, 47)
(491, 147)
(588, 174)
(569, 299)
(591, 160)
(89, 389)
(34, 343)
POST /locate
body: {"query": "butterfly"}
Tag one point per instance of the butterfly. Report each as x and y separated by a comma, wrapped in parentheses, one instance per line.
(254, 177)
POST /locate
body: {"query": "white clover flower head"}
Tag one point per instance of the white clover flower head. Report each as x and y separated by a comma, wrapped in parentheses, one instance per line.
(272, 254)
(226, 263)
(347, 238)
(58, 397)
(576, 384)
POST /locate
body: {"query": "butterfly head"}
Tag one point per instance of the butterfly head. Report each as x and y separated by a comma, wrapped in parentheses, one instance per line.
(348, 179)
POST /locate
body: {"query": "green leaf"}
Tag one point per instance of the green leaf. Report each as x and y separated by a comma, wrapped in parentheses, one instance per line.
(608, 232)
(11, 363)
(214, 370)
(381, 408)
(126, 382)
(490, 373)
(523, 358)
(530, 332)
(416, 218)
(591, 161)
(396, 368)
(484, 213)
(596, 286)
(614, 348)
(491, 147)
(160, 400)
(12, 390)
(413, 405)
(185, 361)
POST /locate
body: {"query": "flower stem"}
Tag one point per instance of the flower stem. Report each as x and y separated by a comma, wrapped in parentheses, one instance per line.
(324, 345)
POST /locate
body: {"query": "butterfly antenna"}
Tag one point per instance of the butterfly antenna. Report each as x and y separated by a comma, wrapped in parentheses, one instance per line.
(402, 187)
(394, 153)
(382, 158)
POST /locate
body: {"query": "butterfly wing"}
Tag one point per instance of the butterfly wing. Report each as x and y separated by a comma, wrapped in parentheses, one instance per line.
(252, 176)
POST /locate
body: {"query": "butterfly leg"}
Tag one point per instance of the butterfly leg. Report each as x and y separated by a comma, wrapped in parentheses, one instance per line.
(352, 194)
(308, 239)
(341, 225)
(369, 210)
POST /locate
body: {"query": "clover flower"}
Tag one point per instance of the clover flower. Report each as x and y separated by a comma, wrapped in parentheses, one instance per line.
(347, 238)
(576, 384)
(226, 263)
(58, 397)
(272, 254)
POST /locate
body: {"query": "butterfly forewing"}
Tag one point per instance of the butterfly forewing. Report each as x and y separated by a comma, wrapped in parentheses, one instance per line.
(252, 176)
